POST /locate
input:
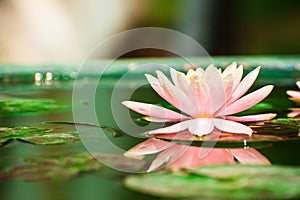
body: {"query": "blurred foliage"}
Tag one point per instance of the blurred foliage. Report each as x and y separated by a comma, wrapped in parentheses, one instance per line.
(52, 168)
(221, 182)
(9, 106)
(36, 135)
(54, 133)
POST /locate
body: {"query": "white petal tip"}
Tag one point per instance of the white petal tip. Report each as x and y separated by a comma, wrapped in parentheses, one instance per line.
(258, 68)
(149, 133)
(250, 133)
(172, 69)
(268, 88)
(233, 64)
(129, 154)
(148, 75)
(125, 103)
(272, 115)
(150, 170)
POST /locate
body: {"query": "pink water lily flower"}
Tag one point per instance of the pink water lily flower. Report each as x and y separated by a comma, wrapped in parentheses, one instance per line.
(294, 112)
(295, 96)
(176, 156)
(207, 99)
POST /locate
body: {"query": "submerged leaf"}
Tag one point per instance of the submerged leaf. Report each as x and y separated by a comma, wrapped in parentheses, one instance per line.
(87, 126)
(64, 167)
(16, 106)
(4, 141)
(221, 182)
(53, 138)
(36, 135)
(54, 133)
(53, 168)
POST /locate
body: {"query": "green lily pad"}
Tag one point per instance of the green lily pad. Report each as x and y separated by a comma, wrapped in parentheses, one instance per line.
(89, 127)
(54, 133)
(265, 134)
(221, 182)
(36, 135)
(54, 168)
(64, 167)
(10, 106)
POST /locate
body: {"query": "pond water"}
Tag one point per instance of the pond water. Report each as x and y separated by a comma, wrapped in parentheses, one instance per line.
(97, 181)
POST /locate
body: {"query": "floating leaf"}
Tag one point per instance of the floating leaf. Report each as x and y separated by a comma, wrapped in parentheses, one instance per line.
(36, 135)
(54, 133)
(221, 182)
(89, 127)
(16, 106)
(52, 168)
(64, 167)
(53, 138)
(4, 141)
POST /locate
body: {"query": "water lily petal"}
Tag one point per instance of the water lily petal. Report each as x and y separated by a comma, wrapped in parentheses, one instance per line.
(249, 100)
(200, 71)
(184, 103)
(201, 126)
(192, 158)
(173, 73)
(230, 88)
(294, 94)
(171, 129)
(202, 95)
(190, 73)
(154, 111)
(252, 118)
(184, 85)
(216, 156)
(231, 126)
(215, 84)
(155, 84)
(245, 84)
(249, 156)
(294, 112)
(237, 77)
(184, 158)
(296, 100)
(165, 156)
(160, 120)
(150, 146)
(230, 69)
(228, 84)
(183, 135)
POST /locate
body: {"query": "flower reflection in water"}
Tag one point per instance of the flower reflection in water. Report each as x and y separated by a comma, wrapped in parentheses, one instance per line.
(178, 156)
